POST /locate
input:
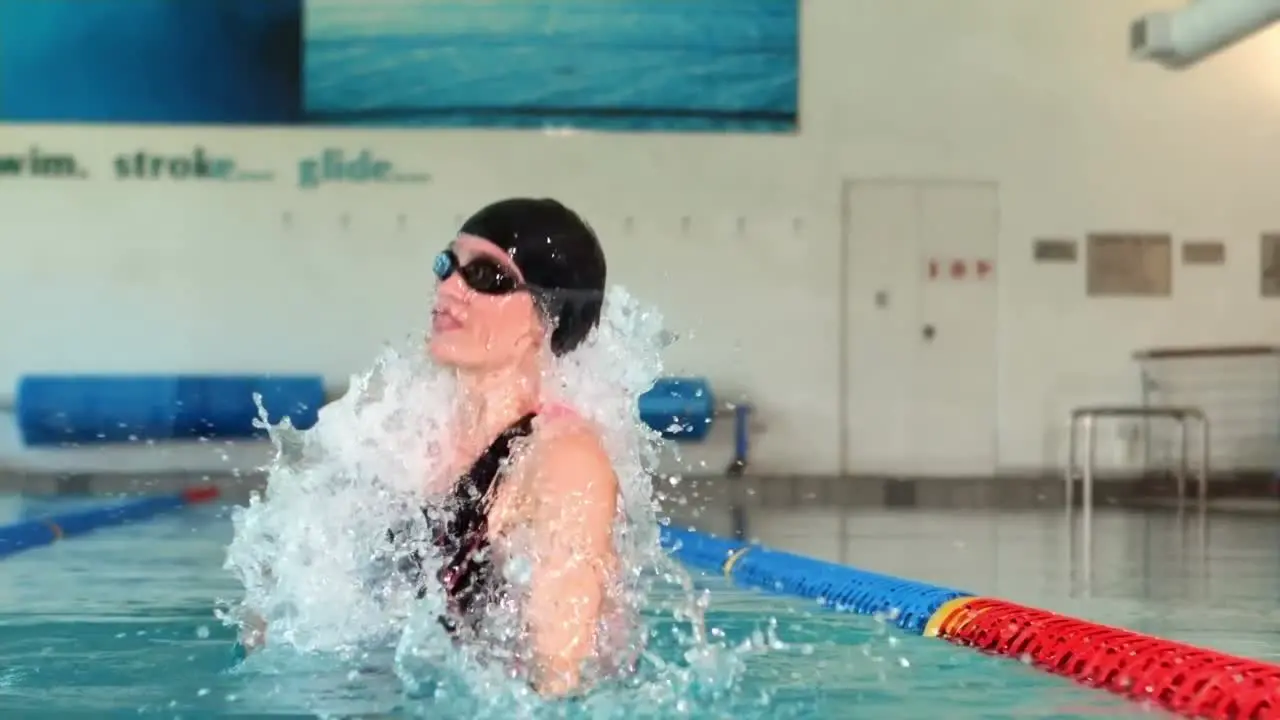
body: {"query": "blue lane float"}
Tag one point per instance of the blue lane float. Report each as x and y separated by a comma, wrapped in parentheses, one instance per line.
(28, 534)
(54, 410)
(908, 604)
(681, 408)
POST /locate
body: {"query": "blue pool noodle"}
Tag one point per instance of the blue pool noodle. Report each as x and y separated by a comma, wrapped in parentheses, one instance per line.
(56, 410)
(681, 408)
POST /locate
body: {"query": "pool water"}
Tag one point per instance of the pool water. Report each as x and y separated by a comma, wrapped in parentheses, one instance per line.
(121, 623)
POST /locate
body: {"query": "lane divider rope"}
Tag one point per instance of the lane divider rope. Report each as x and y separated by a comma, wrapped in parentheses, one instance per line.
(733, 559)
(1189, 681)
(54, 528)
(29, 534)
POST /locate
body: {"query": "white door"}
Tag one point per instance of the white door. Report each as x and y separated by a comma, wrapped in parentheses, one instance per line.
(953, 408)
(921, 304)
(880, 297)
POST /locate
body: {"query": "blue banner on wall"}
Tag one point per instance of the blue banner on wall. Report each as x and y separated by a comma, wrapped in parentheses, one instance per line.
(628, 65)
(151, 61)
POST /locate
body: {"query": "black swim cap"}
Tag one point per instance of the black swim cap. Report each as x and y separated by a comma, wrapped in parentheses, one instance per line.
(559, 256)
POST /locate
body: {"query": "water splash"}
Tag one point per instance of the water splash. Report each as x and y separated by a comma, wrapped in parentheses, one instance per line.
(308, 551)
(313, 555)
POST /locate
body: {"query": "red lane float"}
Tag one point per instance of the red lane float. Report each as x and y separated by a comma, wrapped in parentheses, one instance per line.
(202, 494)
(1184, 679)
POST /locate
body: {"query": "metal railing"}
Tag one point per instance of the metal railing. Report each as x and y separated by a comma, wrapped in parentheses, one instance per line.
(745, 424)
(1084, 421)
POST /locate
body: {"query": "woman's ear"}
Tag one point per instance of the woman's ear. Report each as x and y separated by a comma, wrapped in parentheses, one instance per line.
(539, 330)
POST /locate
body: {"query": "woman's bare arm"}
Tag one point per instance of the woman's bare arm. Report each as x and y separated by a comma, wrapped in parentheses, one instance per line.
(253, 631)
(253, 627)
(575, 492)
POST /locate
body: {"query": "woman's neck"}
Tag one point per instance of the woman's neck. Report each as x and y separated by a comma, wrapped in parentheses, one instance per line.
(490, 402)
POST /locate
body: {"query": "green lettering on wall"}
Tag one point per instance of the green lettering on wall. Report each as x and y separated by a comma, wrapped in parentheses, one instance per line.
(195, 165)
(36, 162)
(335, 165)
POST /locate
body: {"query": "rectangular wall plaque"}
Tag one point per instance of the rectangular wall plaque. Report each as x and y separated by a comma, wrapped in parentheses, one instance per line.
(1269, 265)
(1203, 252)
(1054, 250)
(1129, 265)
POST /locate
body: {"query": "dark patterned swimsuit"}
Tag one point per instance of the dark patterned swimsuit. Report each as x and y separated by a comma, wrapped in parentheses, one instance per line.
(470, 580)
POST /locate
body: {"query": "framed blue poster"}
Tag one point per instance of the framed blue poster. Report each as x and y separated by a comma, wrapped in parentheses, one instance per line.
(627, 65)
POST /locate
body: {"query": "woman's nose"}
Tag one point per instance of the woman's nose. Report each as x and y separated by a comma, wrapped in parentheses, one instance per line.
(453, 288)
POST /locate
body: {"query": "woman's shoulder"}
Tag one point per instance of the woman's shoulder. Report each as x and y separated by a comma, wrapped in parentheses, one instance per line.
(559, 422)
(568, 448)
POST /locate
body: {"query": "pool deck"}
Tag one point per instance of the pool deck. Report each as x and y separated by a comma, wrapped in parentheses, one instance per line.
(1234, 493)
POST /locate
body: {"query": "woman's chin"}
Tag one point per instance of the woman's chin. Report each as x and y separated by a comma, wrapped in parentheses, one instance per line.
(444, 351)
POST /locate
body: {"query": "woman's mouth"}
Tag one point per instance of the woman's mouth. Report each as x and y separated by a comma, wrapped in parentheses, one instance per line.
(444, 321)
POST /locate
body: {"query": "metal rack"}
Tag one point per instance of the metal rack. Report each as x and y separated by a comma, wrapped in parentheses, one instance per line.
(1084, 421)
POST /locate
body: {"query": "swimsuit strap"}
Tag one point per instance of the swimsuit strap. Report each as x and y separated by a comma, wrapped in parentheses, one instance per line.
(465, 537)
(556, 410)
(472, 494)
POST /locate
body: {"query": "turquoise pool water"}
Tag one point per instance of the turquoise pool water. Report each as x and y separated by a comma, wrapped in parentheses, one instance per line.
(121, 623)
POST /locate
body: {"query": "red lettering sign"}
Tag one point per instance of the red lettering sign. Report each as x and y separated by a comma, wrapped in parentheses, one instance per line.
(984, 269)
(957, 269)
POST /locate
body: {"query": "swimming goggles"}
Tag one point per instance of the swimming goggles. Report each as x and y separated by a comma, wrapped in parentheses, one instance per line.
(482, 274)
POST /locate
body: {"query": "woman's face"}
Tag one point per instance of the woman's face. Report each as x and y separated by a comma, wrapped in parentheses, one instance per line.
(478, 331)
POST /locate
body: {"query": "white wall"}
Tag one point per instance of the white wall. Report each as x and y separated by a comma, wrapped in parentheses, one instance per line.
(737, 238)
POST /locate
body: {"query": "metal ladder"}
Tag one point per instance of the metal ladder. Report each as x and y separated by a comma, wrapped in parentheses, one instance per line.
(1086, 419)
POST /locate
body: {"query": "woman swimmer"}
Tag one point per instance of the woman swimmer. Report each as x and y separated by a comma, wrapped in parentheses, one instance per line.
(532, 479)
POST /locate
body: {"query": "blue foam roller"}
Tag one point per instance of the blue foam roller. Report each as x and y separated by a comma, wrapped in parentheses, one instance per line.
(299, 398)
(92, 409)
(81, 409)
(226, 408)
(679, 408)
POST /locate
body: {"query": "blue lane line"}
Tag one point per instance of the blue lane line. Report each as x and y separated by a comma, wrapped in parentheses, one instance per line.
(907, 604)
(28, 534)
